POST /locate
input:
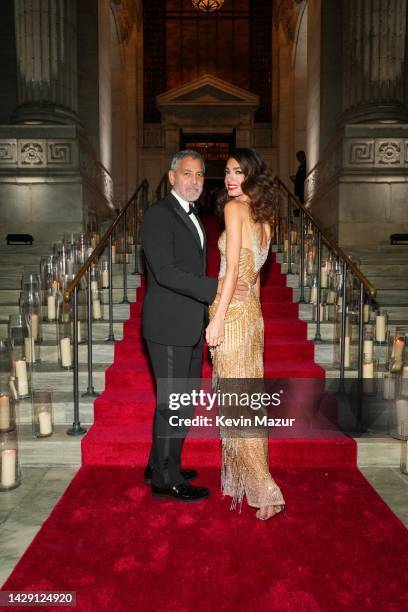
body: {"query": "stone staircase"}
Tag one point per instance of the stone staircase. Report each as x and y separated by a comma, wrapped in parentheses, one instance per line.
(386, 267)
(59, 449)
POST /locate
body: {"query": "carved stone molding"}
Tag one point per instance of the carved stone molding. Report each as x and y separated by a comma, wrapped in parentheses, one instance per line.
(8, 152)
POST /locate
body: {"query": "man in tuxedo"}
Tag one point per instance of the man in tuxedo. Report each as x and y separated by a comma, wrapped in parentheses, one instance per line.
(174, 316)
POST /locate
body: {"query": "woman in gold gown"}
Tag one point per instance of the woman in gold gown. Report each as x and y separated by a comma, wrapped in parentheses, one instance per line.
(235, 333)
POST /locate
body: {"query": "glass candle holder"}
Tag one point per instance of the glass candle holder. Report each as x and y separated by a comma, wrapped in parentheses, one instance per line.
(7, 413)
(404, 453)
(22, 378)
(16, 336)
(370, 377)
(389, 386)
(381, 322)
(64, 336)
(97, 306)
(10, 475)
(42, 414)
(104, 274)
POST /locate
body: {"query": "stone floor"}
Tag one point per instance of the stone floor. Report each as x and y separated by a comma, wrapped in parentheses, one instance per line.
(23, 510)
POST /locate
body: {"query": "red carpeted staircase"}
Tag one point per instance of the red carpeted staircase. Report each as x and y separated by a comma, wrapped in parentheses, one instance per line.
(121, 433)
(340, 547)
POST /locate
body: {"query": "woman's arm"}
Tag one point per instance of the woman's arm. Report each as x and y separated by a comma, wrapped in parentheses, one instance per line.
(233, 226)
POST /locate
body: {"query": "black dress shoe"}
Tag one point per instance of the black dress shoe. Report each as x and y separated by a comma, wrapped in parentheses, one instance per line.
(182, 492)
(186, 474)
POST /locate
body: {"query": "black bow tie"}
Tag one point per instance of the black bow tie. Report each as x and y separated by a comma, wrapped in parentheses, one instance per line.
(194, 208)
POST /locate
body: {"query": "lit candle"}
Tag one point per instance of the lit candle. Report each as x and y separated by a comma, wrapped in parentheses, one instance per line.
(44, 419)
(366, 313)
(347, 351)
(113, 253)
(21, 375)
(380, 328)
(34, 326)
(8, 467)
(29, 349)
(105, 279)
(368, 350)
(4, 412)
(399, 344)
(368, 370)
(96, 309)
(51, 313)
(66, 359)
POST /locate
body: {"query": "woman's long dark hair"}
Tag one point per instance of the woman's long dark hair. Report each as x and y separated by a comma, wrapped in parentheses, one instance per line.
(258, 185)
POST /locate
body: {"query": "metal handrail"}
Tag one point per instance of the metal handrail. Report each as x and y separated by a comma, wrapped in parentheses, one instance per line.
(101, 246)
(162, 188)
(72, 289)
(330, 243)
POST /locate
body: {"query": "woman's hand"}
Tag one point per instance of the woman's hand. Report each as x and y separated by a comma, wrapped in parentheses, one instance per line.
(214, 334)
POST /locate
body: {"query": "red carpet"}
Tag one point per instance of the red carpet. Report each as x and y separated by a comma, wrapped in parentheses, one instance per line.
(340, 547)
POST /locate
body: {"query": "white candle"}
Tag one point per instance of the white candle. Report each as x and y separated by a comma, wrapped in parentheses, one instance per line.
(8, 467)
(399, 344)
(12, 385)
(405, 371)
(113, 253)
(105, 279)
(4, 412)
(44, 419)
(380, 328)
(70, 267)
(331, 297)
(368, 350)
(96, 309)
(66, 359)
(368, 370)
(366, 313)
(94, 287)
(323, 277)
(313, 295)
(29, 349)
(347, 351)
(21, 375)
(401, 410)
(34, 326)
(51, 314)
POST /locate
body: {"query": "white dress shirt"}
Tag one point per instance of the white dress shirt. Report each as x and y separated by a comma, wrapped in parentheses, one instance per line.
(186, 206)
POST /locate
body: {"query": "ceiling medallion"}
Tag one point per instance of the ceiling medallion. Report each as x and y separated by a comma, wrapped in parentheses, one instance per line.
(207, 6)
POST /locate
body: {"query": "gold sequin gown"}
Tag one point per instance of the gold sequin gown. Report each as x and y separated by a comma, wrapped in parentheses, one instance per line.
(245, 466)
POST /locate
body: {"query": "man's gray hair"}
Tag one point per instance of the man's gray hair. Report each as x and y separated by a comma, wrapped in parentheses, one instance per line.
(182, 155)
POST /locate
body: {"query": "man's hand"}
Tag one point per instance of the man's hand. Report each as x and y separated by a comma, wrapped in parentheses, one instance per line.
(241, 289)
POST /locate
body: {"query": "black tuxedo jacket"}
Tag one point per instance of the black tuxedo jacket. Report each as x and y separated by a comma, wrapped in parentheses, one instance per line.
(178, 291)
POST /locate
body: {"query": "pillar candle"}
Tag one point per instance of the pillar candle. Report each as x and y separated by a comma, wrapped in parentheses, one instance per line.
(323, 277)
(398, 348)
(70, 267)
(366, 313)
(380, 328)
(34, 326)
(96, 309)
(29, 349)
(66, 359)
(21, 375)
(94, 288)
(368, 350)
(401, 411)
(8, 467)
(331, 297)
(51, 314)
(113, 253)
(313, 295)
(405, 371)
(44, 419)
(105, 279)
(368, 370)
(347, 351)
(4, 412)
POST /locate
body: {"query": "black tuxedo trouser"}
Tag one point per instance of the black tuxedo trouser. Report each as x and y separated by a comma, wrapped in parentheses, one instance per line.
(178, 365)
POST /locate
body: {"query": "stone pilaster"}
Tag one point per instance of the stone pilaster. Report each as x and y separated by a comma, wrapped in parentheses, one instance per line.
(374, 56)
(46, 61)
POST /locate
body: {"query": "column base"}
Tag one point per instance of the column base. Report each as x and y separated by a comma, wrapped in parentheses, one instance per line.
(44, 113)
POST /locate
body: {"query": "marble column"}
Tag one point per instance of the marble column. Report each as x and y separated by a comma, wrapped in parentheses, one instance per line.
(46, 42)
(374, 56)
